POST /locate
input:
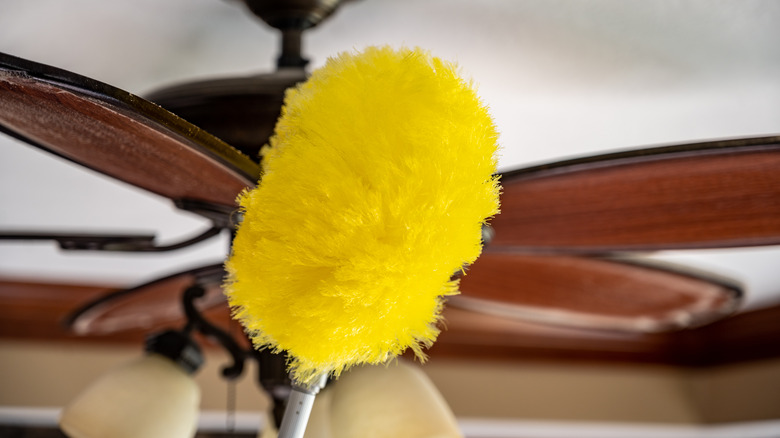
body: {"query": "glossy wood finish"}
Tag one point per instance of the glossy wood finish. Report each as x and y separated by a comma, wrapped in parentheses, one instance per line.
(118, 134)
(594, 293)
(34, 311)
(718, 194)
(151, 304)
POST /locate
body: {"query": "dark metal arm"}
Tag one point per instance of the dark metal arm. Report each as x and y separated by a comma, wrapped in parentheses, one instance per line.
(108, 242)
(197, 322)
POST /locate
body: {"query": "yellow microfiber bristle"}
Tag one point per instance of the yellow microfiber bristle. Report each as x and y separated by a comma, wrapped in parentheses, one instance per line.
(374, 190)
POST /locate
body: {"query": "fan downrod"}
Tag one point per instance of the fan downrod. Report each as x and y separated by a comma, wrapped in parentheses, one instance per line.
(292, 17)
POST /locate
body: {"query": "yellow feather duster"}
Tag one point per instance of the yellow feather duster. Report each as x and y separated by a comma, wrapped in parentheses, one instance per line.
(374, 190)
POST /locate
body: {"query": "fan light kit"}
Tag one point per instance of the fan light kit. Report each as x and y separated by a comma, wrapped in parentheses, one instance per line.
(373, 201)
(156, 388)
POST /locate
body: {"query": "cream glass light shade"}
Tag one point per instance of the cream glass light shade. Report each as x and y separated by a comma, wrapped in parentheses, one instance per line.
(150, 398)
(397, 400)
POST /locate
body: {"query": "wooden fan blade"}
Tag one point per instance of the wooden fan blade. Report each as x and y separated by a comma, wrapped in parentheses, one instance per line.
(118, 134)
(706, 195)
(593, 293)
(149, 305)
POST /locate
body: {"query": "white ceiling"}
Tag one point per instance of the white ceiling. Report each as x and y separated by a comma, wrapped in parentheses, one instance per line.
(562, 78)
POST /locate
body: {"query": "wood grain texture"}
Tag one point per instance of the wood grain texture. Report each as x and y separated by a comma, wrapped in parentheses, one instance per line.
(719, 194)
(118, 134)
(594, 293)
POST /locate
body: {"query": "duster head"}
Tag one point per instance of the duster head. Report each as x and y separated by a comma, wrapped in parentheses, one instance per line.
(374, 190)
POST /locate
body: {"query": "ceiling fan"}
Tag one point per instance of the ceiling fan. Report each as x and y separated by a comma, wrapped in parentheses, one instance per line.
(560, 251)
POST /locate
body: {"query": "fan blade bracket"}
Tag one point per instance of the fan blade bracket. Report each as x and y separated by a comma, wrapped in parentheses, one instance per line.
(113, 243)
(105, 243)
(220, 215)
(86, 241)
